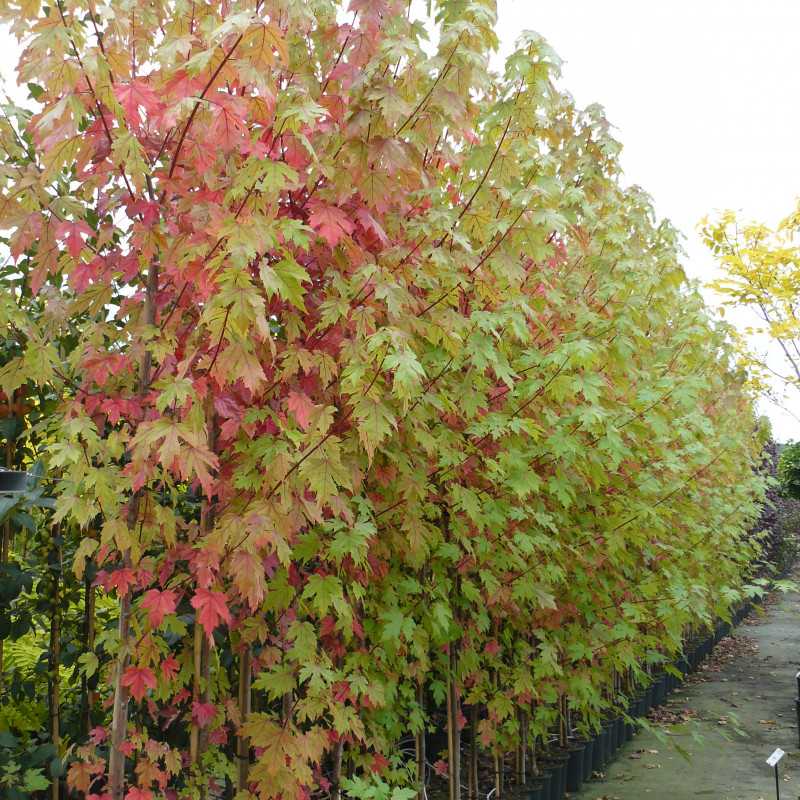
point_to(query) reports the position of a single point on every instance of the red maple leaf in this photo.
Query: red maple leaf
(70, 233)
(203, 713)
(330, 222)
(301, 406)
(135, 95)
(139, 680)
(98, 735)
(212, 608)
(139, 794)
(159, 604)
(169, 667)
(121, 579)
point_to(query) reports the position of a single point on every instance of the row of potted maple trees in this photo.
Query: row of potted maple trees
(369, 399)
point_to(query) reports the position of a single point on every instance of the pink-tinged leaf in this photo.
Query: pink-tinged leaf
(170, 667)
(330, 222)
(139, 680)
(138, 794)
(212, 609)
(301, 406)
(121, 579)
(98, 735)
(492, 647)
(70, 234)
(159, 604)
(248, 577)
(203, 713)
(135, 95)
(369, 223)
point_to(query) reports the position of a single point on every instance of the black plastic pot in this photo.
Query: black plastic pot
(556, 764)
(610, 746)
(577, 752)
(599, 750)
(546, 780)
(630, 728)
(588, 758)
(659, 691)
(648, 700)
(535, 791)
(619, 724)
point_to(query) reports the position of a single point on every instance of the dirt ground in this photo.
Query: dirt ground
(728, 718)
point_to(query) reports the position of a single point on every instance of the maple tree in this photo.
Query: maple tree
(382, 398)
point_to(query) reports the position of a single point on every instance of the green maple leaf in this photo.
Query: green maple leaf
(285, 278)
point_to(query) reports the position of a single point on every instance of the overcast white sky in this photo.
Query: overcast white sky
(703, 93)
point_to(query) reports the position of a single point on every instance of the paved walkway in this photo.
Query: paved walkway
(747, 684)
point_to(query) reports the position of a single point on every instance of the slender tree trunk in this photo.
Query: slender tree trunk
(337, 769)
(202, 649)
(5, 537)
(54, 681)
(522, 770)
(453, 728)
(119, 719)
(420, 745)
(194, 730)
(474, 787)
(498, 763)
(242, 742)
(286, 707)
(87, 695)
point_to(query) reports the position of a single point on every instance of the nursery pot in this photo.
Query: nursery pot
(577, 752)
(610, 746)
(556, 763)
(545, 780)
(588, 757)
(599, 750)
(630, 728)
(648, 699)
(660, 690)
(535, 790)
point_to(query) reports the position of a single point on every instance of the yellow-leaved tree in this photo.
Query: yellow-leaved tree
(761, 267)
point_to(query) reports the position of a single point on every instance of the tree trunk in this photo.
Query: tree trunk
(337, 769)
(5, 538)
(194, 731)
(87, 694)
(242, 742)
(474, 787)
(119, 719)
(522, 750)
(54, 678)
(420, 745)
(453, 729)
